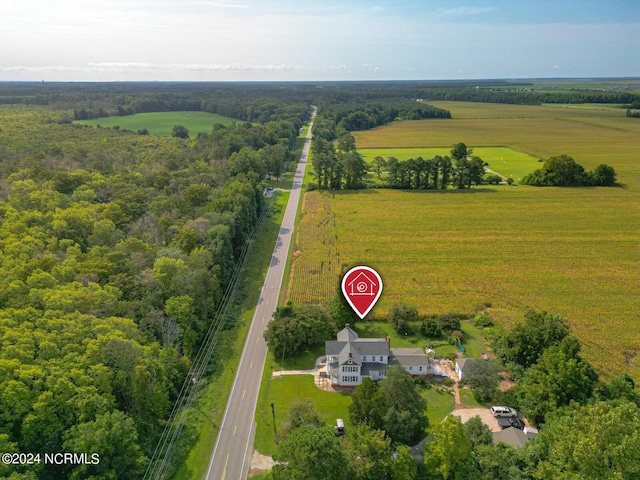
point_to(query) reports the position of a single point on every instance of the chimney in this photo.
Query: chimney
(389, 341)
(346, 326)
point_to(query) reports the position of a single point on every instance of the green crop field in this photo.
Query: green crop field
(570, 251)
(161, 123)
(503, 160)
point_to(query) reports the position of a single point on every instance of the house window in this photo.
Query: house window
(353, 379)
(381, 358)
(410, 368)
(420, 368)
(364, 358)
(344, 379)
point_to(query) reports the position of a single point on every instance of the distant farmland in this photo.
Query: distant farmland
(572, 251)
(161, 123)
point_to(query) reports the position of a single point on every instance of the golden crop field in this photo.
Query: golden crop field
(316, 260)
(570, 251)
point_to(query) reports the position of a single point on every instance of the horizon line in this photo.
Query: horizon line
(495, 79)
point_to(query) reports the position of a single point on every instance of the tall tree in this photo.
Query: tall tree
(301, 412)
(405, 417)
(460, 151)
(274, 158)
(354, 168)
(446, 170)
(379, 164)
(367, 405)
(449, 455)
(312, 454)
(369, 453)
(560, 377)
(476, 171)
(527, 341)
(483, 377)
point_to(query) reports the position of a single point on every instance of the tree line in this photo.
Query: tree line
(341, 166)
(262, 102)
(335, 119)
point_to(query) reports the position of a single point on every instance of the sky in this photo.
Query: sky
(258, 40)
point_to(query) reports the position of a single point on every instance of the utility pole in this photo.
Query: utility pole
(273, 411)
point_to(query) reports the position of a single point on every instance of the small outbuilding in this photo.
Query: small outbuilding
(514, 436)
(462, 364)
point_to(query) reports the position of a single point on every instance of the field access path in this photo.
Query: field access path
(232, 454)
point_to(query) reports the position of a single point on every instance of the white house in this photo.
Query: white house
(462, 364)
(350, 359)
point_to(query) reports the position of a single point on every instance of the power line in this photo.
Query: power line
(161, 458)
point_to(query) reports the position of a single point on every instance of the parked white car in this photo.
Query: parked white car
(503, 412)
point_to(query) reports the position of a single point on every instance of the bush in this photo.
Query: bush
(450, 321)
(493, 179)
(430, 328)
(448, 382)
(401, 315)
(483, 320)
(450, 356)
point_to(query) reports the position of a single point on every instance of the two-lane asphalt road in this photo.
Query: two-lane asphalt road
(232, 453)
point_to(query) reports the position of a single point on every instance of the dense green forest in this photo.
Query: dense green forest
(117, 249)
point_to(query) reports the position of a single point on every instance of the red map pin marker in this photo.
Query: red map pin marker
(362, 286)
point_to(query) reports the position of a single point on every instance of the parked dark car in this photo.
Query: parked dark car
(510, 422)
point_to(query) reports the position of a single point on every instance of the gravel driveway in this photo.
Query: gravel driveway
(485, 414)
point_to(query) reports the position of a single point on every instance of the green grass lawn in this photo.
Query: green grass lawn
(467, 398)
(281, 392)
(503, 160)
(439, 405)
(305, 360)
(161, 123)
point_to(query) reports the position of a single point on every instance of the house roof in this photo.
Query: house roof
(347, 353)
(371, 346)
(512, 436)
(408, 357)
(358, 348)
(463, 363)
(333, 348)
(347, 335)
